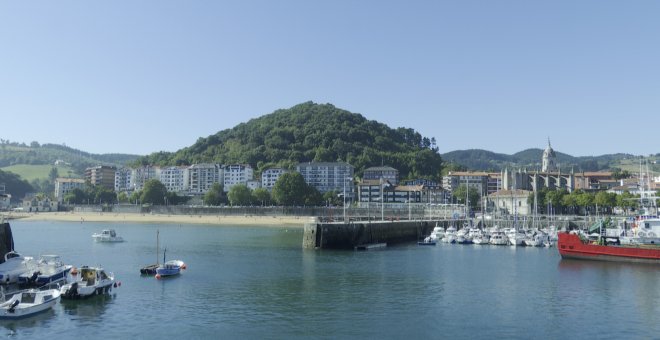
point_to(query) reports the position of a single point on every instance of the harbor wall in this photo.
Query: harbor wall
(337, 235)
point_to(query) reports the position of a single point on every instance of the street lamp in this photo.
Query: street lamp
(346, 179)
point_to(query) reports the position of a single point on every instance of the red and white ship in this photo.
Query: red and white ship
(571, 246)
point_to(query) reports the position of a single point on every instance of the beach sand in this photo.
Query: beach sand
(292, 221)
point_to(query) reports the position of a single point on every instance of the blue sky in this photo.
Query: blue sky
(146, 76)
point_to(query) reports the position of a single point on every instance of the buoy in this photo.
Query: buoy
(115, 285)
(157, 276)
(119, 284)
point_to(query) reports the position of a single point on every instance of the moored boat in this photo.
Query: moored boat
(28, 302)
(571, 246)
(107, 235)
(92, 281)
(49, 269)
(14, 265)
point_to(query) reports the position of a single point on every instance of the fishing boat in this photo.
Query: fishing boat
(169, 268)
(49, 269)
(151, 269)
(572, 246)
(92, 281)
(107, 235)
(29, 302)
(14, 265)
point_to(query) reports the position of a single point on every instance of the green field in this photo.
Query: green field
(633, 165)
(30, 172)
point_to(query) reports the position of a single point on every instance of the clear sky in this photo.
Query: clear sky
(145, 76)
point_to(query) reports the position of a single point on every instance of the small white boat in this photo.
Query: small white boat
(49, 269)
(92, 281)
(499, 239)
(29, 302)
(107, 235)
(169, 268)
(14, 265)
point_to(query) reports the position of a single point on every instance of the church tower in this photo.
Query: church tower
(549, 159)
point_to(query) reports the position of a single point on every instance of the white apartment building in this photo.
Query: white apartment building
(174, 178)
(201, 177)
(237, 174)
(142, 175)
(270, 176)
(64, 186)
(328, 176)
(123, 179)
(253, 184)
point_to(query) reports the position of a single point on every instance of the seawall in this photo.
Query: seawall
(337, 235)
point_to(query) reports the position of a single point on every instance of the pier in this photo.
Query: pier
(354, 234)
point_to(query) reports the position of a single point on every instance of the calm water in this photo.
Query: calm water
(257, 282)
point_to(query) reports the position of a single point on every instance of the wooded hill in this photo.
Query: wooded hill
(12, 153)
(483, 160)
(312, 132)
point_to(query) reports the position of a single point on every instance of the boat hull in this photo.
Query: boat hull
(27, 309)
(570, 246)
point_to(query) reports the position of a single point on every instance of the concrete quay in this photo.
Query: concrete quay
(339, 235)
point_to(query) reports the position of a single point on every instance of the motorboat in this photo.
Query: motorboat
(498, 239)
(14, 265)
(92, 281)
(107, 235)
(428, 241)
(49, 269)
(29, 302)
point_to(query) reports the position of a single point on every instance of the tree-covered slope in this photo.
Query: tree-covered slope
(47, 154)
(312, 132)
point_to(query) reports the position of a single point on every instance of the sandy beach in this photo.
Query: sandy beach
(292, 221)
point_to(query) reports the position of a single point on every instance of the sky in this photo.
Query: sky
(145, 76)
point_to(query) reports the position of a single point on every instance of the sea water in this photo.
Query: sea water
(256, 282)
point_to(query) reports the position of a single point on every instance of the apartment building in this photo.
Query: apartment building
(270, 176)
(64, 186)
(101, 175)
(328, 176)
(201, 177)
(237, 174)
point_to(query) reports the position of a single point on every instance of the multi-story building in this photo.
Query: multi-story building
(237, 174)
(202, 176)
(477, 180)
(326, 177)
(387, 173)
(510, 202)
(174, 178)
(64, 186)
(101, 175)
(142, 175)
(123, 179)
(270, 176)
(253, 184)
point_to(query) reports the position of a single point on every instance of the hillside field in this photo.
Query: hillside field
(31, 172)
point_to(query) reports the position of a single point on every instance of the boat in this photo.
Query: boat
(572, 246)
(169, 268)
(92, 281)
(151, 269)
(29, 302)
(107, 235)
(49, 269)
(14, 265)
(427, 241)
(371, 246)
(498, 239)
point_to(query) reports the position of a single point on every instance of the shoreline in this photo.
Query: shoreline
(80, 217)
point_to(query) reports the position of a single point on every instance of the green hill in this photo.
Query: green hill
(531, 159)
(312, 132)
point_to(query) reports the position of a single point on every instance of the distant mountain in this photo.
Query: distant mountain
(312, 132)
(35, 154)
(482, 160)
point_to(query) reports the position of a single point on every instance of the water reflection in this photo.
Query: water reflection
(87, 309)
(19, 326)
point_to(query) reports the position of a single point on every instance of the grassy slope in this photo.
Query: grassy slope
(30, 172)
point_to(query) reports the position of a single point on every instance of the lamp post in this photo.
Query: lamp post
(345, 179)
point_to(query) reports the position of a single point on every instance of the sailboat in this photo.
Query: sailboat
(151, 269)
(169, 268)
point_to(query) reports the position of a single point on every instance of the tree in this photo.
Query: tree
(154, 192)
(53, 174)
(261, 195)
(75, 196)
(215, 195)
(472, 193)
(240, 194)
(332, 197)
(605, 200)
(122, 197)
(290, 189)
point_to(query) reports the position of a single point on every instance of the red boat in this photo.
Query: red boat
(571, 246)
